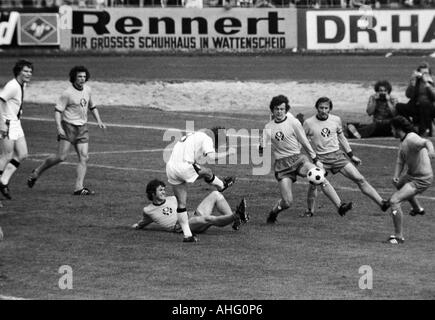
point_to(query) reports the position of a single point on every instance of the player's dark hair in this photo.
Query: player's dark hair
(152, 187)
(20, 64)
(383, 83)
(424, 65)
(278, 100)
(75, 70)
(401, 123)
(216, 131)
(323, 100)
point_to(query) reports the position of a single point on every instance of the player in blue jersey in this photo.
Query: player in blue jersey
(414, 155)
(287, 137)
(325, 132)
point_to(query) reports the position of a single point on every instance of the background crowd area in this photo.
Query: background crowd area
(317, 4)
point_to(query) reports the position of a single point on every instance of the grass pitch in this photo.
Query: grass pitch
(298, 258)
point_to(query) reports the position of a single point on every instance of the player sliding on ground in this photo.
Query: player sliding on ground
(415, 154)
(163, 211)
(183, 168)
(325, 132)
(288, 137)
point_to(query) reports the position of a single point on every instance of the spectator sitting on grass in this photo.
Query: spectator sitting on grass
(382, 108)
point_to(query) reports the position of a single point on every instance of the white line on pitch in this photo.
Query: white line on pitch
(387, 191)
(118, 125)
(101, 152)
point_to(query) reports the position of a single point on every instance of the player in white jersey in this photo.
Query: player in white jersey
(13, 142)
(163, 211)
(184, 166)
(1, 234)
(325, 132)
(71, 116)
(415, 154)
(288, 137)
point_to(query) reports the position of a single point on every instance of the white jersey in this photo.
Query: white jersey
(192, 148)
(164, 215)
(12, 96)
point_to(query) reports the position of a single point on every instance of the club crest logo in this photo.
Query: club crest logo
(279, 136)
(83, 103)
(167, 211)
(325, 132)
(39, 29)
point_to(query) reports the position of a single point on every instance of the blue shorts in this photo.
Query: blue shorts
(289, 167)
(419, 183)
(334, 161)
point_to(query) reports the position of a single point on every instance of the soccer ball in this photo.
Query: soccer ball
(316, 175)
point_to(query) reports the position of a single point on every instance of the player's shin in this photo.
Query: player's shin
(397, 215)
(215, 181)
(311, 197)
(330, 192)
(11, 167)
(370, 192)
(183, 221)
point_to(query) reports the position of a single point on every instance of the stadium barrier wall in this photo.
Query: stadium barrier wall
(218, 30)
(366, 30)
(181, 29)
(36, 28)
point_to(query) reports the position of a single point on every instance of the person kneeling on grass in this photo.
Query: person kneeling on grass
(163, 211)
(415, 154)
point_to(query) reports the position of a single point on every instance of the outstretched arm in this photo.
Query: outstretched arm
(146, 220)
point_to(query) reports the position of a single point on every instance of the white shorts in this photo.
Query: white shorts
(15, 131)
(181, 172)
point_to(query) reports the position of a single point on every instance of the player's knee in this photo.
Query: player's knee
(217, 195)
(286, 203)
(207, 174)
(62, 157)
(395, 202)
(84, 157)
(22, 157)
(360, 182)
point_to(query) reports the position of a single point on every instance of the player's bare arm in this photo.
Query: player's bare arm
(96, 115)
(346, 146)
(302, 138)
(146, 220)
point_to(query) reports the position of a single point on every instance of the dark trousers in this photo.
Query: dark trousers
(421, 115)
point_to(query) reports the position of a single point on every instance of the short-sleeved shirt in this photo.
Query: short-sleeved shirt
(164, 215)
(285, 136)
(12, 96)
(192, 148)
(74, 105)
(323, 134)
(413, 153)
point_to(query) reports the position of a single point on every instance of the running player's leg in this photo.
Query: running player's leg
(204, 217)
(285, 188)
(311, 199)
(62, 153)
(83, 155)
(208, 176)
(180, 192)
(352, 173)
(406, 192)
(7, 152)
(19, 154)
(326, 187)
